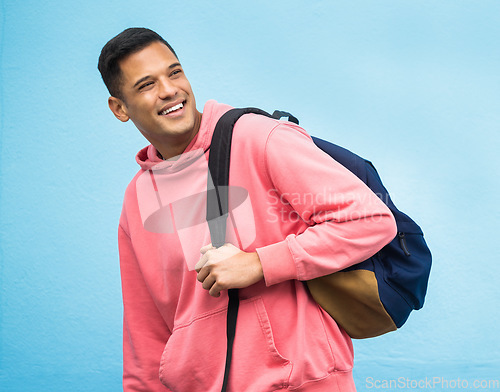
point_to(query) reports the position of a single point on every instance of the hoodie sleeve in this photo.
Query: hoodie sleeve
(145, 334)
(346, 222)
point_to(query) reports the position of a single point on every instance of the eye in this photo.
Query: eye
(176, 72)
(144, 85)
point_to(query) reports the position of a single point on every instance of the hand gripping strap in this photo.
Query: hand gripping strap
(218, 207)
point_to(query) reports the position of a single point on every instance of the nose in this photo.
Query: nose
(166, 89)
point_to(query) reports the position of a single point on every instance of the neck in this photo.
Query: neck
(174, 148)
(171, 151)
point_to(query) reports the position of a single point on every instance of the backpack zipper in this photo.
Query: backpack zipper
(402, 243)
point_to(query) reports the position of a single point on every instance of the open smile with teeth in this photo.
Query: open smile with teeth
(172, 109)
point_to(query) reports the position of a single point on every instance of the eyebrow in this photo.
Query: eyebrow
(149, 76)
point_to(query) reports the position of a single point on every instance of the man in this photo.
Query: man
(295, 215)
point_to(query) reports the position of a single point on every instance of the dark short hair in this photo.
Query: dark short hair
(129, 41)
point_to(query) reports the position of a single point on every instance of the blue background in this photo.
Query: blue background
(412, 85)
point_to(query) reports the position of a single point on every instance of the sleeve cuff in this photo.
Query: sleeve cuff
(277, 262)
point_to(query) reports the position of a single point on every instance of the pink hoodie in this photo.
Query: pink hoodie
(304, 214)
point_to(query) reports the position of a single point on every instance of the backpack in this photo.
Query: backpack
(367, 299)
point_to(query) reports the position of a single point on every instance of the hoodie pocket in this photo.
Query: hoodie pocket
(257, 365)
(194, 358)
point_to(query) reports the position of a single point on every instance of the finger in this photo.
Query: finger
(202, 274)
(206, 248)
(201, 263)
(215, 290)
(208, 282)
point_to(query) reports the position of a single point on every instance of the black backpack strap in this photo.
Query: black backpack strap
(277, 114)
(232, 316)
(218, 208)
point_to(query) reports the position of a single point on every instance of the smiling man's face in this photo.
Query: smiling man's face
(158, 98)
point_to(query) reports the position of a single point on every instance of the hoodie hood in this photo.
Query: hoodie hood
(148, 158)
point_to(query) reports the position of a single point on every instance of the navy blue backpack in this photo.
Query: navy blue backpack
(367, 299)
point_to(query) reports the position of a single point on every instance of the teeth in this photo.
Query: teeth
(173, 108)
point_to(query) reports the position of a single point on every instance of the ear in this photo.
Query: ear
(118, 108)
